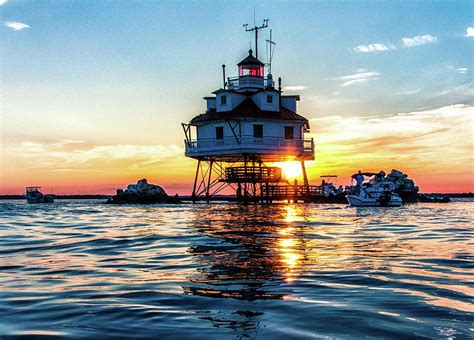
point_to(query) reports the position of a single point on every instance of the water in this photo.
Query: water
(85, 269)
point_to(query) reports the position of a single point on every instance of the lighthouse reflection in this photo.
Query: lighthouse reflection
(247, 254)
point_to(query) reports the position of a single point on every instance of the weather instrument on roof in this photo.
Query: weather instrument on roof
(248, 125)
(256, 29)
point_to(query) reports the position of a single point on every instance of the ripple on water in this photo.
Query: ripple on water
(84, 269)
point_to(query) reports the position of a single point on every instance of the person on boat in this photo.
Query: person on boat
(329, 190)
(359, 180)
(340, 190)
(380, 177)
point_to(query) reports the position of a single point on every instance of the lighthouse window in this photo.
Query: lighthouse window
(289, 132)
(219, 132)
(257, 130)
(223, 100)
(269, 99)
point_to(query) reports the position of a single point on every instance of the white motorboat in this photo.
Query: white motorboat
(380, 194)
(34, 195)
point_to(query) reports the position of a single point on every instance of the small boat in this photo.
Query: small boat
(379, 194)
(34, 195)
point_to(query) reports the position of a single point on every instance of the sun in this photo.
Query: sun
(291, 170)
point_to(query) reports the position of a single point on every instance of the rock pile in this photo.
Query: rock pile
(142, 193)
(404, 186)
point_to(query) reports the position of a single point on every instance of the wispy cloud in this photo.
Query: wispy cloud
(17, 26)
(362, 76)
(378, 47)
(465, 90)
(333, 102)
(3, 2)
(65, 142)
(470, 32)
(408, 92)
(407, 42)
(78, 167)
(437, 142)
(462, 70)
(59, 155)
(294, 88)
(419, 40)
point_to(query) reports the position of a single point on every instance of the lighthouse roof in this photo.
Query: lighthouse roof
(248, 109)
(250, 60)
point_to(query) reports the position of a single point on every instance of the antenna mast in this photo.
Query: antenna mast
(270, 51)
(256, 29)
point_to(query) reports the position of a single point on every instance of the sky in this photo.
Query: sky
(93, 92)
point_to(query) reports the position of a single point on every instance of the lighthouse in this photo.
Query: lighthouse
(249, 124)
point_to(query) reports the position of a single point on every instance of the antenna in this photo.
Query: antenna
(223, 76)
(256, 29)
(254, 20)
(270, 51)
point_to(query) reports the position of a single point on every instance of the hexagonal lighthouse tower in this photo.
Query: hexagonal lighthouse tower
(248, 125)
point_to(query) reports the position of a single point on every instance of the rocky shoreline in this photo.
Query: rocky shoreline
(142, 193)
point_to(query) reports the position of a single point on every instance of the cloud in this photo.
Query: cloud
(17, 26)
(69, 155)
(465, 90)
(379, 47)
(469, 32)
(64, 142)
(3, 2)
(74, 166)
(462, 70)
(437, 142)
(419, 40)
(333, 102)
(407, 42)
(294, 88)
(408, 92)
(362, 76)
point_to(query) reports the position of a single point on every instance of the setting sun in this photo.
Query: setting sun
(291, 170)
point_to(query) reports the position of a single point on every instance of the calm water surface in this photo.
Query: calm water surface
(84, 269)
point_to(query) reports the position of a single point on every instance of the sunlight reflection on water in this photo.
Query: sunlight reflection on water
(81, 268)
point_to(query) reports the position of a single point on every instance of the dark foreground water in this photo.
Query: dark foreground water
(84, 269)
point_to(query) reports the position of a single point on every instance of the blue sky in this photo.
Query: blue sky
(114, 72)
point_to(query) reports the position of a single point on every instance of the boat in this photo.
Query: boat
(34, 195)
(373, 190)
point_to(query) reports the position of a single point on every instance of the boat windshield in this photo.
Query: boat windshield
(32, 189)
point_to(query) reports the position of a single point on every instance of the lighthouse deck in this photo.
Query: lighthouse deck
(296, 193)
(272, 192)
(253, 174)
(300, 148)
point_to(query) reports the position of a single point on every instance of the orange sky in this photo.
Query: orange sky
(433, 147)
(93, 92)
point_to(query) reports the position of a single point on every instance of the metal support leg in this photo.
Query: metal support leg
(209, 181)
(306, 182)
(193, 196)
(239, 192)
(245, 199)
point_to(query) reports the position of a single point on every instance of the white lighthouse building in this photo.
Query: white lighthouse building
(248, 124)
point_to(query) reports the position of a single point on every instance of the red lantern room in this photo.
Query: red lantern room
(251, 66)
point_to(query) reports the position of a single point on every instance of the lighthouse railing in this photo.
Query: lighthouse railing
(234, 83)
(275, 144)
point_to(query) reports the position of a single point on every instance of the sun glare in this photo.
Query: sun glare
(291, 170)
